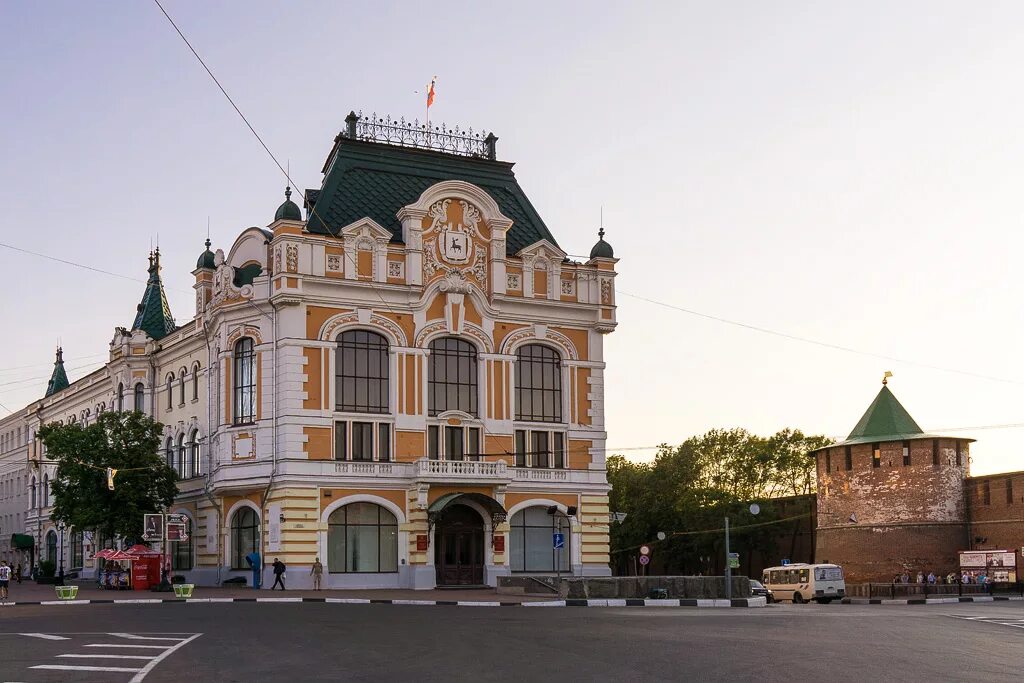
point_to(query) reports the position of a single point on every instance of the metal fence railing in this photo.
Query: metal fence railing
(924, 590)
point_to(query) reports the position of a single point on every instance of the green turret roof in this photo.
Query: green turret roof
(154, 313)
(887, 420)
(602, 249)
(59, 378)
(289, 210)
(206, 260)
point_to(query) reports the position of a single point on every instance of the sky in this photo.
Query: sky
(843, 172)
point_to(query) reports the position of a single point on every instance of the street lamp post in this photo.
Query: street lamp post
(60, 554)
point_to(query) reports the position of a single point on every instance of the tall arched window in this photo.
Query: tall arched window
(183, 453)
(46, 490)
(140, 398)
(530, 546)
(182, 557)
(51, 546)
(361, 372)
(76, 550)
(120, 397)
(32, 492)
(452, 383)
(245, 536)
(181, 389)
(170, 391)
(169, 452)
(538, 384)
(193, 444)
(195, 382)
(362, 537)
(244, 390)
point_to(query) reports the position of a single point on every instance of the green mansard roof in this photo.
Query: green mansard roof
(154, 313)
(59, 378)
(375, 180)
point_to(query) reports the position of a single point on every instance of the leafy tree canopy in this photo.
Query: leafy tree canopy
(691, 486)
(126, 441)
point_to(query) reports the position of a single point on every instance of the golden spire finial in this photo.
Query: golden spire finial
(885, 377)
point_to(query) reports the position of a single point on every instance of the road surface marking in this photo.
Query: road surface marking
(108, 656)
(137, 678)
(45, 636)
(140, 647)
(132, 636)
(67, 667)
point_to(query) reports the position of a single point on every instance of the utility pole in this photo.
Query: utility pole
(728, 569)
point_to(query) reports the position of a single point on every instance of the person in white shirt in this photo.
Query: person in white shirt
(5, 579)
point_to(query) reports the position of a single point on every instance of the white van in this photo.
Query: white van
(801, 582)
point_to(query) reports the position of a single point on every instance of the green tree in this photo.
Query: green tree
(125, 441)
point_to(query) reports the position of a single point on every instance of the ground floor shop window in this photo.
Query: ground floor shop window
(531, 543)
(245, 536)
(362, 537)
(76, 550)
(181, 558)
(51, 545)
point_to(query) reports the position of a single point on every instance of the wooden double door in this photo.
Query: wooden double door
(459, 548)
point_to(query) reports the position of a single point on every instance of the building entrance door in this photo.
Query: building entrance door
(459, 548)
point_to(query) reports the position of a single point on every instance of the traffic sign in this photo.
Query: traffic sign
(645, 550)
(734, 560)
(645, 560)
(558, 541)
(785, 563)
(177, 518)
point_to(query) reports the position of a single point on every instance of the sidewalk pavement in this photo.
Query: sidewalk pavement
(30, 591)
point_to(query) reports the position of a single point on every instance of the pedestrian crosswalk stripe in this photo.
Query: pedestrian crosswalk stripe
(45, 636)
(107, 656)
(69, 667)
(139, 647)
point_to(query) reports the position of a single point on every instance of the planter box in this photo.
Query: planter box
(46, 580)
(183, 590)
(66, 592)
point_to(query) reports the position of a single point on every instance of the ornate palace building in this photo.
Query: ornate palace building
(406, 382)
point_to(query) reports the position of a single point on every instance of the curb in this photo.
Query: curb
(637, 602)
(931, 601)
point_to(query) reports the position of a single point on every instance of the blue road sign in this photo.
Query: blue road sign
(785, 563)
(558, 541)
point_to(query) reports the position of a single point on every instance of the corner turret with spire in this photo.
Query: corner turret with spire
(59, 378)
(153, 314)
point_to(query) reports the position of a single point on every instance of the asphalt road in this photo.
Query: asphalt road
(294, 643)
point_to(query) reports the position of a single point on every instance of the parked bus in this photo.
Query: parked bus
(801, 582)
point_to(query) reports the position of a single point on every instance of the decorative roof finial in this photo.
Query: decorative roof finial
(208, 243)
(287, 192)
(885, 377)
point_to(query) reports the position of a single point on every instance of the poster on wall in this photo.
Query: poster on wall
(999, 566)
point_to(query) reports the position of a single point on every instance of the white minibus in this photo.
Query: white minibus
(801, 582)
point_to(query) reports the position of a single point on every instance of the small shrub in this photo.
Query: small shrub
(47, 568)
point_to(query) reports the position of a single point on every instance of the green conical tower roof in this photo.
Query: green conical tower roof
(154, 313)
(59, 378)
(887, 420)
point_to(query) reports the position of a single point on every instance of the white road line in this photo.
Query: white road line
(69, 667)
(132, 636)
(45, 636)
(139, 647)
(137, 678)
(107, 656)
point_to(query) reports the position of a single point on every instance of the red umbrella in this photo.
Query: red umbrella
(139, 549)
(121, 556)
(103, 554)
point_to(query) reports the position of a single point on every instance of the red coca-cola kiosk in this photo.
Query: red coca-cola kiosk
(145, 567)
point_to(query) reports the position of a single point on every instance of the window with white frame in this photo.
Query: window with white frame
(244, 389)
(362, 537)
(450, 442)
(140, 398)
(540, 448)
(194, 450)
(362, 441)
(538, 384)
(361, 373)
(530, 541)
(452, 377)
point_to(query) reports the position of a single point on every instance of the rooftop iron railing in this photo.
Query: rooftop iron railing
(425, 135)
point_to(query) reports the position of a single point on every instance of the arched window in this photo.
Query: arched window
(361, 373)
(76, 550)
(51, 546)
(362, 537)
(170, 391)
(193, 444)
(181, 389)
(140, 398)
(182, 558)
(245, 382)
(32, 493)
(169, 452)
(120, 397)
(183, 453)
(46, 490)
(538, 384)
(245, 536)
(452, 383)
(530, 546)
(195, 382)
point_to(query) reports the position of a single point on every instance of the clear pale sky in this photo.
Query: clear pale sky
(846, 172)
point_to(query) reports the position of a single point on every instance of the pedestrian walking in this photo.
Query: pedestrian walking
(17, 573)
(278, 573)
(920, 577)
(5, 579)
(317, 570)
(931, 578)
